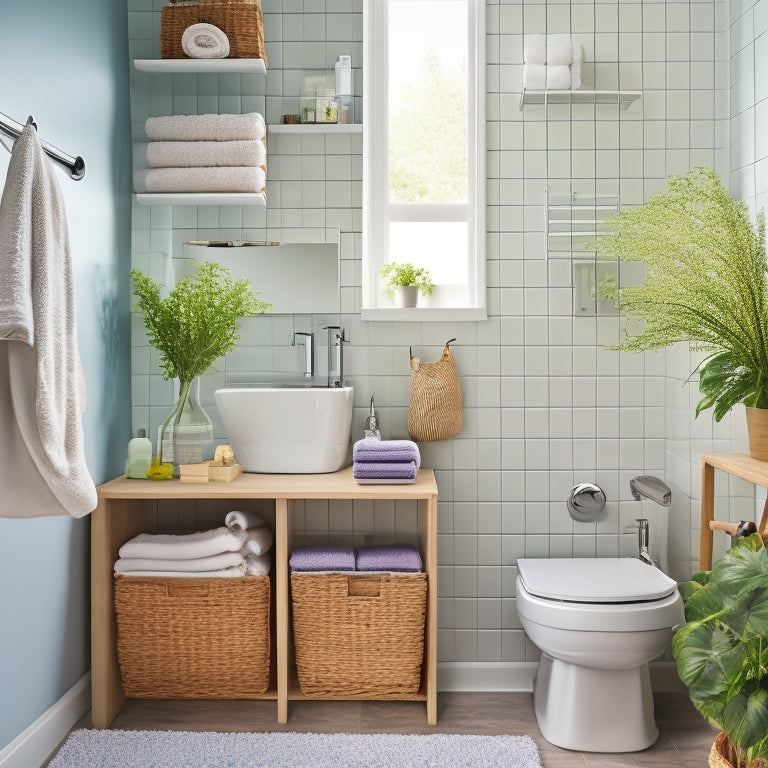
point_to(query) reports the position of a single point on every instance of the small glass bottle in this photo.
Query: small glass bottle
(139, 456)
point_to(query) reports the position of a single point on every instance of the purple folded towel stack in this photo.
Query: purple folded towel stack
(385, 461)
(322, 559)
(394, 558)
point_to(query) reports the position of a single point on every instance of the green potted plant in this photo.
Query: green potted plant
(404, 282)
(705, 284)
(196, 323)
(722, 652)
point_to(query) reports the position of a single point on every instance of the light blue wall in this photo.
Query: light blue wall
(66, 63)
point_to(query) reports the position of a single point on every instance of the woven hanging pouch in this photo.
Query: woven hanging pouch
(435, 411)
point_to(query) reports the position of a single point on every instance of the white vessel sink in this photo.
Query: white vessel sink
(301, 430)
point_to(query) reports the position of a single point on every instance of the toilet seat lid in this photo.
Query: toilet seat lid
(594, 580)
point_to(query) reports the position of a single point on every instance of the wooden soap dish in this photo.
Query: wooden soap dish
(209, 472)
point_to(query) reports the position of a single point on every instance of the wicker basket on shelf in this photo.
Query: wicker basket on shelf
(359, 636)
(193, 638)
(240, 20)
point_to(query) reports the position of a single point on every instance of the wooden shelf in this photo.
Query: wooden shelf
(120, 515)
(202, 198)
(200, 66)
(622, 98)
(315, 128)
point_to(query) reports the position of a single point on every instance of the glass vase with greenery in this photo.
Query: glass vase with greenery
(705, 283)
(195, 324)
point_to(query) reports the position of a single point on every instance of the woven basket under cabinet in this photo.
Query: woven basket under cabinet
(193, 638)
(240, 20)
(359, 636)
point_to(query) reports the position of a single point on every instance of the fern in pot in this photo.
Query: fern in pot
(195, 324)
(404, 282)
(722, 652)
(705, 284)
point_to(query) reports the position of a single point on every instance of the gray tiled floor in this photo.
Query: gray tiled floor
(685, 738)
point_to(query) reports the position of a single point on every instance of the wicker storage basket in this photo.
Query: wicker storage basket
(359, 636)
(240, 20)
(723, 755)
(193, 638)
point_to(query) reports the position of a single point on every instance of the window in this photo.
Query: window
(424, 151)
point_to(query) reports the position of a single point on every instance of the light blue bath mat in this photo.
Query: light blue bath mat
(182, 749)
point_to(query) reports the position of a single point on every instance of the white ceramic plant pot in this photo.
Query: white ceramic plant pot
(406, 295)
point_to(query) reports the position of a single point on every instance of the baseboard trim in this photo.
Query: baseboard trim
(518, 676)
(33, 746)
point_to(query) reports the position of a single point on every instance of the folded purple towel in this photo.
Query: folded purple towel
(378, 470)
(322, 559)
(394, 558)
(369, 449)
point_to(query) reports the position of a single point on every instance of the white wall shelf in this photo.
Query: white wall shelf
(623, 98)
(202, 198)
(174, 66)
(315, 128)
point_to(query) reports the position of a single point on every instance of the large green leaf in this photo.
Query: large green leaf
(745, 716)
(741, 571)
(702, 602)
(748, 616)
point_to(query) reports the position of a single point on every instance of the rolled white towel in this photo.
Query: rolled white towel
(184, 546)
(205, 41)
(232, 179)
(210, 563)
(578, 61)
(535, 77)
(257, 541)
(234, 571)
(535, 49)
(559, 50)
(243, 521)
(206, 127)
(258, 565)
(187, 154)
(558, 78)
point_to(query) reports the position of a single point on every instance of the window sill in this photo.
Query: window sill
(424, 314)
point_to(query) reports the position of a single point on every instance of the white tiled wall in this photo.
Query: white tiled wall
(546, 405)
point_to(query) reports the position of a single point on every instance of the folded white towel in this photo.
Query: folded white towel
(189, 154)
(242, 521)
(233, 179)
(210, 563)
(559, 50)
(235, 570)
(257, 541)
(576, 66)
(535, 77)
(205, 41)
(535, 49)
(183, 546)
(257, 565)
(558, 78)
(206, 127)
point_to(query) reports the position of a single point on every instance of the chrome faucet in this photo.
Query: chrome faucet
(643, 553)
(336, 341)
(650, 487)
(309, 349)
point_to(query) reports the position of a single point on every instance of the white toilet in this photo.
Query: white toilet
(597, 622)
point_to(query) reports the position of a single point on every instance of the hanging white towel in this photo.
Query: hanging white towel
(205, 41)
(42, 390)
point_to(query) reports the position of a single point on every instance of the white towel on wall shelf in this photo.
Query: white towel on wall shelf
(206, 127)
(205, 41)
(535, 49)
(191, 565)
(535, 77)
(232, 179)
(559, 50)
(188, 154)
(42, 389)
(558, 78)
(576, 66)
(237, 520)
(182, 546)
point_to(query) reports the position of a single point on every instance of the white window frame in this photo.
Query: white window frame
(378, 211)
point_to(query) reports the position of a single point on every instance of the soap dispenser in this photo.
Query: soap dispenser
(139, 456)
(371, 428)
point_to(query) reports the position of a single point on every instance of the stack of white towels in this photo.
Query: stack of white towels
(552, 63)
(205, 153)
(239, 548)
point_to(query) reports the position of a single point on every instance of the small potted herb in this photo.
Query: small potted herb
(404, 282)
